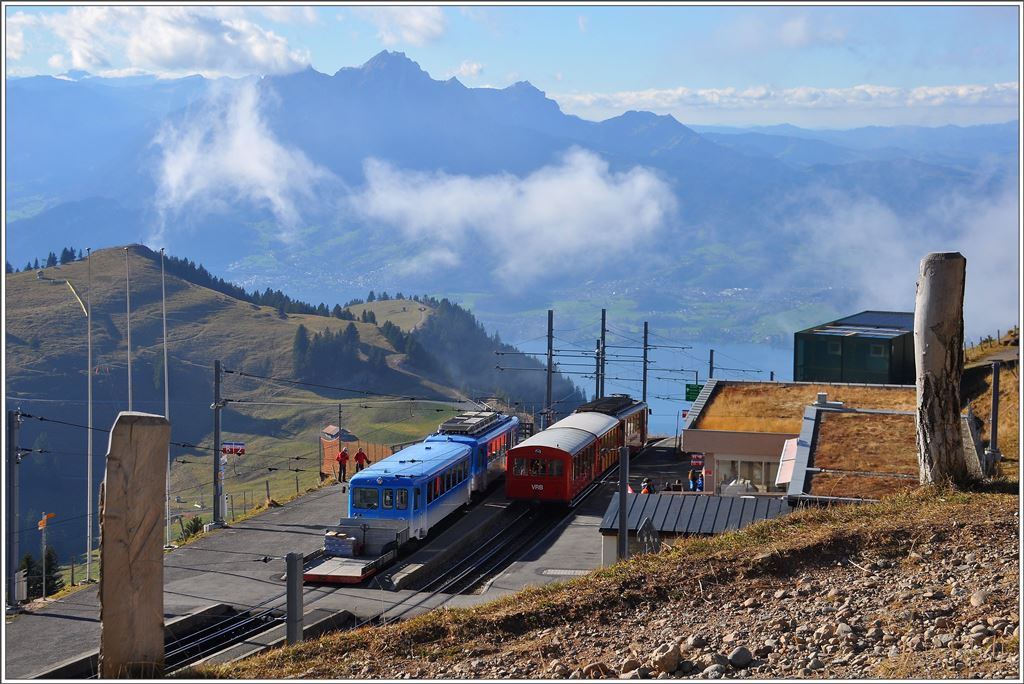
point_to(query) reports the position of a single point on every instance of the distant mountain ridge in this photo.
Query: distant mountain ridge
(97, 171)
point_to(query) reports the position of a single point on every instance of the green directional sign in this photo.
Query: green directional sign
(692, 391)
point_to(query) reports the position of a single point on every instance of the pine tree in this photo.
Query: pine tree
(10, 269)
(35, 266)
(33, 575)
(54, 582)
(67, 256)
(336, 311)
(51, 260)
(370, 297)
(80, 255)
(28, 266)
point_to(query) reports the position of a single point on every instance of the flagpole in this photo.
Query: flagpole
(167, 405)
(88, 467)
(128, 300)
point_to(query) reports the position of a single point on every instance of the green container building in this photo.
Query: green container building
(871, 347)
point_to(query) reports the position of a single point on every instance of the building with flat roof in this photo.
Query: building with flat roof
(742, 427)
(874, 347)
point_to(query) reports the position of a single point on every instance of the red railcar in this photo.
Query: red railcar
(557, 464)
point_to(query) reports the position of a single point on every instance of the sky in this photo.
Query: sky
(834, 66)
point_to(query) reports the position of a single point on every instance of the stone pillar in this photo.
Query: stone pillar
(131, 548)
(939, 351)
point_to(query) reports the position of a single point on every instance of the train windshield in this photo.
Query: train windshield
(364, 497)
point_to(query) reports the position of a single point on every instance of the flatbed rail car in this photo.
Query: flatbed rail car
(559, 463)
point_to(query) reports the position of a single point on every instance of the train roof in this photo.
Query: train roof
(481, 430)
(611, 406)
(572, 433)
(470, 423)
(413, 461)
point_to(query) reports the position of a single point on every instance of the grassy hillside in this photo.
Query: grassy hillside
(46, 376)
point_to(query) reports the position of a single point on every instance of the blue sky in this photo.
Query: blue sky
(837, 66)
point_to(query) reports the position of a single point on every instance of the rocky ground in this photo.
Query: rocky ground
(924, 586)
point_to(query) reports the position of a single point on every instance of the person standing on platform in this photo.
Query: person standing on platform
(361, 460)
(693, 479)
(342, 459)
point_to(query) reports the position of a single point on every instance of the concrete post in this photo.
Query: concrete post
(711, 363)
(938, 346)
(294, 617)
(597, 368)
(131, 548)
(623, 517)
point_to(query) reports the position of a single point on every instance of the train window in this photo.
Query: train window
(519, 466)
(389, 498)
(538, 466)
(401, 499)
(416, 498)
(364, 497)
(556, 469)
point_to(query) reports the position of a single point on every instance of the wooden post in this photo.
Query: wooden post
(268, 491)
(231, 500)
(131, 548)
(938, 346)
(296, 484)
(181, 524)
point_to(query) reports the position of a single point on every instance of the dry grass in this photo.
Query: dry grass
(872, 442)
(858, 486)
(979, 352)
(808, 538)
(405, 313)
(779, 407)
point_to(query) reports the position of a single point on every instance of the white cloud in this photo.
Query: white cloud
(207, 40)
(14, 34)
(468, 69)
(581, 21)
(760, 31)
(804, 97)
(224, 151)
(412, 25)
(570, 217)
(290, 14)
(864, 245)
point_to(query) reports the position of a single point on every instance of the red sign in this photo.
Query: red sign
(685, 411)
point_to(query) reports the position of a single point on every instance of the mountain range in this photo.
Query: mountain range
(380, 176)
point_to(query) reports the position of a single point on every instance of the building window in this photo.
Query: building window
(878, 351)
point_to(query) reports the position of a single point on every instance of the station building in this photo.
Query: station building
(741, 429)
(874, 347)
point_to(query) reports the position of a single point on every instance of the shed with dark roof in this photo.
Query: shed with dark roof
(873, 347)
(667, 516)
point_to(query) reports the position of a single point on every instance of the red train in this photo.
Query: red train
(556, 464)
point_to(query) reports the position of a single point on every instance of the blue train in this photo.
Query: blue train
(425, 482)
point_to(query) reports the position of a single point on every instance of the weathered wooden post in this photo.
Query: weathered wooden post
(131, 548)
(939, 351)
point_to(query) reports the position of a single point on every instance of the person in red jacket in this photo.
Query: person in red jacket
(342, 459)
(361, 460)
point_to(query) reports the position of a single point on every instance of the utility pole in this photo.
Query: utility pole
(42, 529)
(645, 361)
(128, 304)
(597, 368)
(604, 313)
(551, 358)
(167, 406)
(623, 518)
(711, 364)
(218, 470)
(88, 449)
(771, 376)
(13, 461)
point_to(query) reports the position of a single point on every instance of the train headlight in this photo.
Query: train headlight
(380, 480)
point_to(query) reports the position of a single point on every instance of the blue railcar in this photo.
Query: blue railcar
(420, 485)
(489, 434)
(425, 482)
